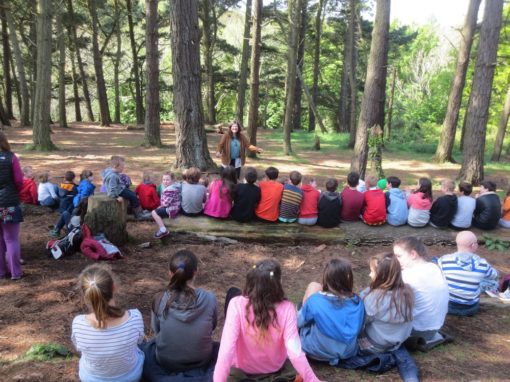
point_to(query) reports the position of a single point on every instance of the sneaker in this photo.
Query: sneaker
(54, 233)
(22, 262)
(16, 278)
(161, 235)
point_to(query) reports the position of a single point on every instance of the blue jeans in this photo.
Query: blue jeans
(50, 202)
(63, 220)
(131, 197)
(462, 310)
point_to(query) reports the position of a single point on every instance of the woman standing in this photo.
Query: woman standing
(232, 148)
(11, 181)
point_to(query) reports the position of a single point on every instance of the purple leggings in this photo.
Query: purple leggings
(10, 250)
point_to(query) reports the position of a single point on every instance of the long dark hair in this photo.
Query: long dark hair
(4, 143)
(337, 278)
(183, 266)
(228, 181)
(425, 187)
(230, 129)
(388, 278)
(264, 291)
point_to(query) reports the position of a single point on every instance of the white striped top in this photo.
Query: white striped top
(109, 352)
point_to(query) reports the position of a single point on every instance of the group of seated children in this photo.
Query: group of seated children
(263, 335)
(299, 200)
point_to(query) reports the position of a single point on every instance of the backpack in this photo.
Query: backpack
(98, 247)
(67, 245)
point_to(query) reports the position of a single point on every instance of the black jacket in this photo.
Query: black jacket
(330, 204)
(9, 195)
(487, 212)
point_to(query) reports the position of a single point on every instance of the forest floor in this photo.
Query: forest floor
(40, 307)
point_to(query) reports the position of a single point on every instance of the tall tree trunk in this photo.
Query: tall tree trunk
(343, 117)
(503, 123)
(208, 22)
(6, 62)
(41, 128)
(478, 108)
(447, 139)
(390, 102)
(294, 17)
(81, 68)
(20, 66)
(152, 121)
(253, 115)
(300, 63)
(354, 32)
(62, 119)
(3, 114)
(316, 63)
(76, 94)
(16, 83)
(372, 105)
(116, 64)
(191, 141)
(243, 72)
(33, 54)
(136, 70)
(104, 111)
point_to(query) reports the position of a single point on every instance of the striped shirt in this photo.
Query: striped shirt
(464, 271)
(291, 200)
(110, 352)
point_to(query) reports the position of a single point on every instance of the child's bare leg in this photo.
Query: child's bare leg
(312, 288)
(158, 219)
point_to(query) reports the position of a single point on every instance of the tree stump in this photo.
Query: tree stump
(106, 215)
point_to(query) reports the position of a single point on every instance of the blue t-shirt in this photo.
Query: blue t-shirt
(235, 148)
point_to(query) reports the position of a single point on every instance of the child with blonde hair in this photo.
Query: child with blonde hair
(28, 192)
(170, 204)
(147, 193)
(47, 191)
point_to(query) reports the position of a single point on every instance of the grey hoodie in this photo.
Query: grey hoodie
(112, 183)
(184, 336)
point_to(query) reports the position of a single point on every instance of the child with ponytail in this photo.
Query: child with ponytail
(108, 337)
(260, 332)
(183, 318)
(388, 307)
(221, 194)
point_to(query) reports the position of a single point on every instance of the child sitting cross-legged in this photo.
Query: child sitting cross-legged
(330, 205)
(444, 208)
(28, 192)
(170, 204)
(193, 194)
(352, 199)
(332, 315)
(146, 192)
(420, 202)
(291, 199)
(246, 197)
(465, 207)
(85, 188)
(221, 192)
(183, 318)
(396, 202)
(308, 210)
(260, 332)
(47, 191)
(374, 204)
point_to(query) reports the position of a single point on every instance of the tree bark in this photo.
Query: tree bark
(136, 70)
(300, 64)
(478, 109)
(41, 128)
(353, 62)
(116, 64)
(372, 105)
(32, 48)
(104, 111)
(107, 215)
(243, 72)
(81, 68)
(294, 17)
(503, 123)
(447, 140)
(390, 102)
(152, 119)
(20, 66)
(76, 94)
(62, 119)
(209, 41)
(191, 141)
(6, 62)
(316, 63)
(253, 116)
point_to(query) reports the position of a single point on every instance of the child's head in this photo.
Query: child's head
(331, 185)
(425, 186)
(353, 179)
(28, 172)
(44, 177)
(86, 174)
(487, 186)
(69, 176)
(382, 184)
(409, 250)
(193, 175)
(148, 177)
(465, 188)
(371, 181)
(448, 186)
(118, 163)
(250, 175)
(264, 290)
(97, 285)
(337, 278)
(167, 179)
(228, 174)
(204, 180)
(272, 173)
(393, 181)
(295, 177)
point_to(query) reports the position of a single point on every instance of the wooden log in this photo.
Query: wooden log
(106, 215)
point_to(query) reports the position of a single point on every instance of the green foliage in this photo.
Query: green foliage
(46, 352)
(496, 244)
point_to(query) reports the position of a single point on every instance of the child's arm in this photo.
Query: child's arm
(51, 190)
(33, 193)
(231, 330)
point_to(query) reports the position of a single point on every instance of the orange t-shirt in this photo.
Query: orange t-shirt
(506, 209)
(270, 197)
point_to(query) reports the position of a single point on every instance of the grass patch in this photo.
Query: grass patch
(46, 352)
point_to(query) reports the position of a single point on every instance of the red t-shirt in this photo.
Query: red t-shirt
(149, 199)
(310, 202)
(270, 197)
(352, 202)
(375, 207)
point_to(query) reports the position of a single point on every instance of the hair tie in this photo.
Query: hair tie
(271, 274)
(92, 283)
(181, 266)
(254, 267)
